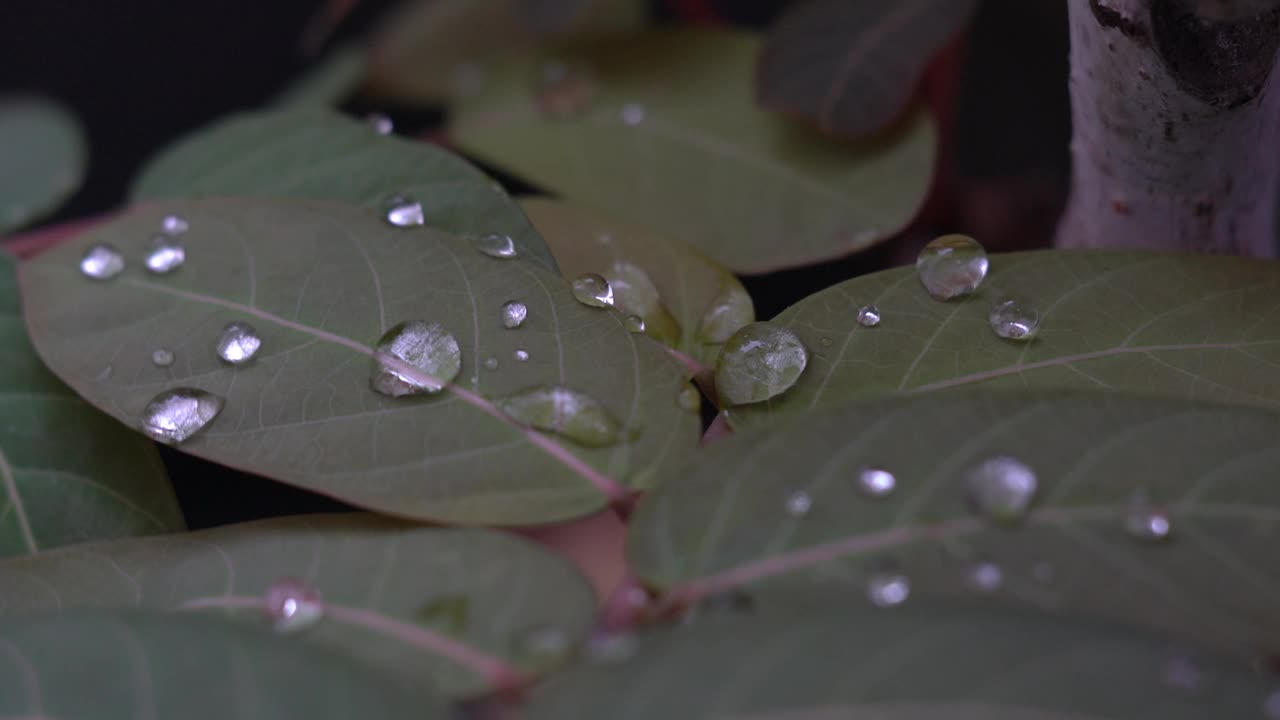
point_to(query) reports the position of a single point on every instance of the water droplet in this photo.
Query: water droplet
(611, 648)
(165, 255)
(632, 114)
(101, 262)
(496, 245)
(564, 90)
(162, 357)
(174, 225)
(760, 361)
(569, 413)
(986, 576)
(404, 211)
(380, 123)
(1181, 672)
(1002, 489)
(173, 416)
(545, 644)
(413, 358)
(593, 290)
(521, 355)
(1271, 706)
(491, 363)
(1146, 523)
(238, 343)
(689, 398)
(635, 323)
(888, 588)
(875, 482)
(869, 316)
(728, 313)
(292, 606)
(1014, 319)
(799, 503)
(952, 266)
(514, 314)
(635, 293)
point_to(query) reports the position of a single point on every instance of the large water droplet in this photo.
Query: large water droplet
(165, 255)
(728, 313)
(292, 606)
(875, 482)
(380, 123)
(952, 266)
(634, 323)
(568, 413)
(404, 211)
(1014, 319)
(611, 648)
(174, 225)
(543, 644)
(593, 290)
(888, 588)
(514, 314)
(162, 357)
(632, 114)
(101, 262)
(238, 343)
(799, 503)
(689, 398)
(760, 361)
(173, 416)
(414, 358)
(986, 576)
(869, 316)
(496, 245)
(1002, 488)
(521, 355)
(1146, 523)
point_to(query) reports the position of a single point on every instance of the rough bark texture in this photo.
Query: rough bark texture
(1176, 115)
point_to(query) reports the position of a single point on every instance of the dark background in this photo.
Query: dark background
(141, 73)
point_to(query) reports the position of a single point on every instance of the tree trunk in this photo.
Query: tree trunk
(1176, 116)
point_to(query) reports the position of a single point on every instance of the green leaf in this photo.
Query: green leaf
(898, 665)
(1180, 325)
(325, 156)
(382, 582)
(321, 283)
(44, 153)
(693, 147)
(128, 665)
(1099, 459)
(687, 301)
(67, 473)
(329, 82)
(853, 67)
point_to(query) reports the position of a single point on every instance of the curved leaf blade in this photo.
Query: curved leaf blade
(68, 473)
(700, 146)
(853, 68)
(378, 577)
(122, 665)
(311, 153)
(44, 153)
(1207, 467)
(321, 283)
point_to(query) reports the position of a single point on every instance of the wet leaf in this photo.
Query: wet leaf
(321, 283)
(44, 153)
(895, 665)
(68, 473)
(853, 67)
(1098, 458)
(325, 156)
(1180, 325)
(329, 82)
(671, 113)
(686, 300)
(378, 577)
(126, 665)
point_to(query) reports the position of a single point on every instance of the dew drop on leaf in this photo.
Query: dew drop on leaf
(496, 245)
(1002, 488)
(514, 314)
(521, 355)
(380, 123)
(175, 415)
(632, 114)
(869, 316)
(1014, 319)
(162, 357)
(952, 266)
(101, 262)
(413, 358)
(760, 361)
(592, 290)
(571, 414)
(292, 606)
(635, 323)
(165, 255)
(491, 363)
(986, 576)
(402, 211)
(238, 343)
(1146, 523)
(689, 398)
(174, 225)
(799, 503)
(888, 588)
(875, 482)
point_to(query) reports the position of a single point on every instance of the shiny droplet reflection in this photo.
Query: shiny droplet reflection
(173, 416)
(875, 482)
(952, 266)
(1002, 488)
(761, 361)
(571, 414)
(402, 211)
(413, 358)
(799, 503)
(888, 588)
(238, 343)
(165, 255)
(986, 576)
(292, 606)
(1014, 319)
(101, 262)
(162, 357)
(174, 225)
(592, 290)
(496, 245)
(869, 316)
(634, 323)
(1146, 523)
(380, 123)
(514, 314)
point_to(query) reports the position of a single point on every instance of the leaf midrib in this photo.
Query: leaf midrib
(15, 501)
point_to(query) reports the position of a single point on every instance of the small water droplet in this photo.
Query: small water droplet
(689, 398)
(611, 648)
(174, 225)
(632, 114)
(869, 316)
(491, 363)
(1181, 672)
(165, 255)
(413, 358)
(380, 123)
(173, 416)
(731, 310)
(101, 262)
(1014, 319)
(1146, 523)
(799, 503)
(888, 588)
(592, 290)
(496, 245)
(760, 361)
(986, 576)
(952, 266)
(1002, 488)
(292, 606)
(162, 357)
(568, 413)
(635, 323)
(521, 355)
(544, 644)
(875, 482)
(402, 211)
(1271, 706)
(238, 343)
(514, 314)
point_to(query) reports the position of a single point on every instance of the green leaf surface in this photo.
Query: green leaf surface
(332, 80)
(325, 156)
(686, 300)
(129, 665)
(67, 472)
(853, 67)
(691, 148)
(897, 665)
(44, 151)
(380, 580)
(321, 282)
(1098, 459)
(1180, 325)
